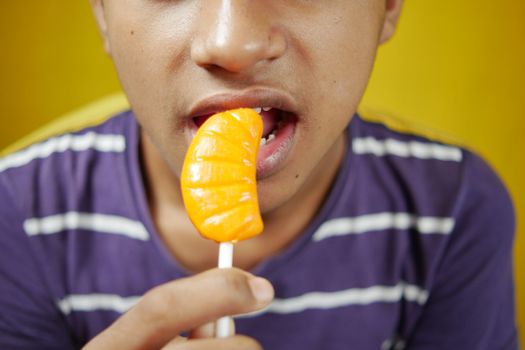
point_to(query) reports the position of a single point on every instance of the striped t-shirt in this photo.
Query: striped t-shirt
(410, 250)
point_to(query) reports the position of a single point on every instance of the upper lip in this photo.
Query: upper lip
(259, 97)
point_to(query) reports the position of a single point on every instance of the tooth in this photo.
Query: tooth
(263, 142)
(258, 109)
(266, 109)
(271, 137)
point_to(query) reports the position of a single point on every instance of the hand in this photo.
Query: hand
(188, 304)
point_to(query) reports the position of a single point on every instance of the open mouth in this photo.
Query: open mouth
(274, 120)
(277, 137)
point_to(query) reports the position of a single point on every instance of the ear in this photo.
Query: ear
(393, 9)
(100, 17)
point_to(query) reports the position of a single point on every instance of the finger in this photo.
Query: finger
(233, 343)
(167, 310)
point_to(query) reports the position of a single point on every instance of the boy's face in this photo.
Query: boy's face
(308, 59)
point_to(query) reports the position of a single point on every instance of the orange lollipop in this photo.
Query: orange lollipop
(218, 177)
(219, 184)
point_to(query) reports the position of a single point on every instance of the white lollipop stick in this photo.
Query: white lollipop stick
(223, 325)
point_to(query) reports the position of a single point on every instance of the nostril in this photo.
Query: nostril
(277, 44)
(199, 54)
(236, 58)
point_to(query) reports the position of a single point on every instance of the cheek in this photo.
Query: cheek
(144, 73)
(347, 58)
(344, 65)
(144, 51)
(345, 45)
(148, 42)
(137, 59)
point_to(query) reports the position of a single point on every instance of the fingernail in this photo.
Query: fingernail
(262, 290)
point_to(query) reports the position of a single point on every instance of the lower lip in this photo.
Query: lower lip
(271, 155)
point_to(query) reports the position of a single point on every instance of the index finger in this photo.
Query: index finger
(167, 310)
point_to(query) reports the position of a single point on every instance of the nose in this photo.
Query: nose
(236, 34)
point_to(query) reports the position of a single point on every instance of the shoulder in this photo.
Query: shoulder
(90, 115)
(397, 139)
(429, 165)
(54, 161)
(439, 175)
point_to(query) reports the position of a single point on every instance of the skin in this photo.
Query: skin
(171, 54)
(188, 304)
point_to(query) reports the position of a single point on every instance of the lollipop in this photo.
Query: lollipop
(219, 185)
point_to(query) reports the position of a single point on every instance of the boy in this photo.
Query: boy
(374, 239)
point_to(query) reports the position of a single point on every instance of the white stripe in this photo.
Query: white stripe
(87, 221)
(90, 140)
(348, 297)
(383, 221)
(314, 300)
(94, 302)
(370, 145)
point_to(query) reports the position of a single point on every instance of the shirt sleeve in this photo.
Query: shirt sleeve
(471, 301)
(29, 317)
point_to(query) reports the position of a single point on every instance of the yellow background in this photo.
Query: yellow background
(455, 66)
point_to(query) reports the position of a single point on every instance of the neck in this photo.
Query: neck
(282, 226)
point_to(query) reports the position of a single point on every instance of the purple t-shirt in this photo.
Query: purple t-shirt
(411, 249)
